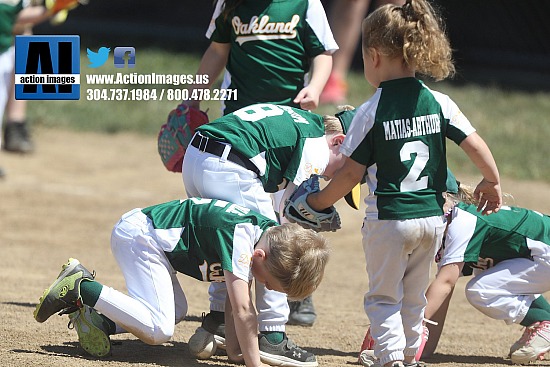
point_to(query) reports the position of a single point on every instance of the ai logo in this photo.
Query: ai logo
(47, 67)
(120, 57)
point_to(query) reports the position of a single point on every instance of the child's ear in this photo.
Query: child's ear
(375, 57)
(338, 139)
(259, 253)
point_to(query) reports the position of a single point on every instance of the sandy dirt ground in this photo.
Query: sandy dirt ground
(62, 202)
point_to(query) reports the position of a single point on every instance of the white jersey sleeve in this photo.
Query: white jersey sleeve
(452, 112)
(217, 11)
(459, 234)
(314, 159)
(244, 239)
(317, 20)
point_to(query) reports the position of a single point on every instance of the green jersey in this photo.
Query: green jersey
(9, 9)
(203, 237)
(399, 135)
(272, 44)
(481, 241)
(283, 142)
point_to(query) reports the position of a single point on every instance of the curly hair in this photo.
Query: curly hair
(414, 32)
(466, 195)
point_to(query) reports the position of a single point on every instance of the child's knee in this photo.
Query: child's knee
(181, 310)
(474, 295)
(158, 336)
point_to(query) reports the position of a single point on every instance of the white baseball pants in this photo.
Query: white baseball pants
(506, 290)
(155, 300)
(208, 176)
(399, 255)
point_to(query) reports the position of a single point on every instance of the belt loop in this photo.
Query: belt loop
(202, 147)
(225, 153)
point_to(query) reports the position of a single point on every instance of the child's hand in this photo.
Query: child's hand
(308, 98)
(489, 195)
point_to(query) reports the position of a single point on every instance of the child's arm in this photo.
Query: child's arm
(244, 323)
(231, 342)
(439, 295)
(212, 63)
(343, 181)
(308, 97)
(488, 191)
(33, 15)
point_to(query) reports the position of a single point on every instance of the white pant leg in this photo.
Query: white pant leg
(209, 176)
(272, 307)
(506, 291)
(417, 280)
(180, 301)
(398, 256)
(7, 63)
(149, 309)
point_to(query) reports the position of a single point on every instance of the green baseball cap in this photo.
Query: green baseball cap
(345, 118)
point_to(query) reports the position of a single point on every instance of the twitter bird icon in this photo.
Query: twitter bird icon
(98, 58)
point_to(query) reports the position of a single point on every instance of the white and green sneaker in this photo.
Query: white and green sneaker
(533, 345)
(64, 294)
(92, 330)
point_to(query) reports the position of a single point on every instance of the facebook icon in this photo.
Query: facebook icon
(120, 57)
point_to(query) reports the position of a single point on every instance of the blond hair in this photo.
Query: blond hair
(333, 125)
(466, 195)
(413, 31)
(298, 257)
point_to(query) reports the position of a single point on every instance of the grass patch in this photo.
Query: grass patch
(513, 123)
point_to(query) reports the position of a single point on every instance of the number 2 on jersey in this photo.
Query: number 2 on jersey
(413, 181)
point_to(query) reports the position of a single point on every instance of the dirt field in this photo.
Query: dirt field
(62, 202)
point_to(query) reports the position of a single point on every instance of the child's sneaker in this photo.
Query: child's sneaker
(64, 294)
(366, 354)
(286, 354)
(335, 91)
(425, 336)
(302, 312)
(367, 358)
(17, 138)
(534, 345)
(92, 330)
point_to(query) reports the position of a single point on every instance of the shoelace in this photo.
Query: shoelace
(71, 309)
(526, 336)
(70, 325)
(534, 329)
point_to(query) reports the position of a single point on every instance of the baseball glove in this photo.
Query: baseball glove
(176, 134)
(55, 6)
(298, 211)
(59, 9)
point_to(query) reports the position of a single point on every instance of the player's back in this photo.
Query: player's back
(403, 146)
